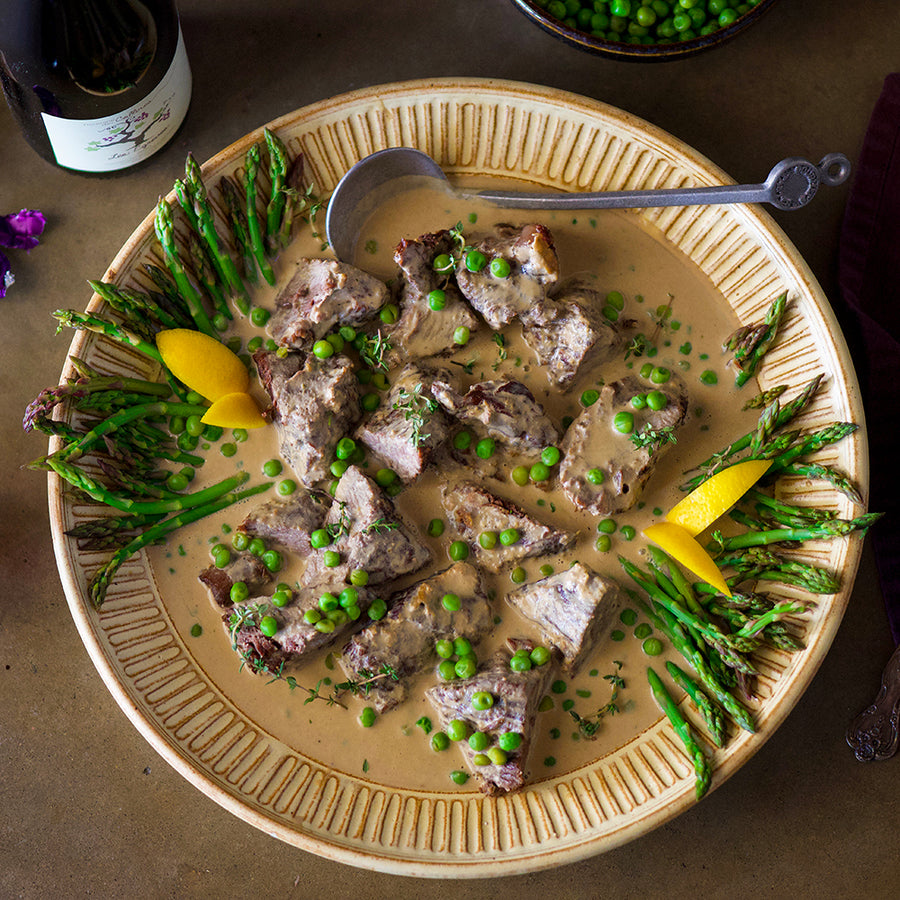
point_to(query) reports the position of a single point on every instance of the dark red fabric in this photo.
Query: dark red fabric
(869, 280)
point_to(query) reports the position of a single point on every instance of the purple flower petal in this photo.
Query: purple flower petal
(20, 230)
(6, 275)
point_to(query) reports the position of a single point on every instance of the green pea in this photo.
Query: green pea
(639, 401)
(459, 777)
(444, 648)
(439, 741)
(461, 335)
(437, 299)
(603, 543)
(259, 316)
(660, 375)
(478, 741)
(385, 477)
(485, 448)
(370, 402)
(345, 447)
(228, 450)
(509, 741)
(349, 596)
(194, 426)
(221, 556)
(462, 440)
(617, 635)
(443, 262)
(239, 592)
(457, 730)
(497, 756)
(616, 300)
(286, 487)
(331, 558)
(657, 400)
(367, 717)
(539, 473)
(436, 527)
(272, 468)
(389, 313)
(451, 602)
(482, 700)
(546, 570)
(465, 667)
(462, 646)
(652, 646)
(447, 670)
(500, 268)
(540, 656)
(326, 626)
(359, 577)
(458, 551)
(488, 539)
(550, 455)
(338, 467)
(558, 687)
(589, 397)
(475, 260)
(240, 540)
(643, 631)
(628, 532)
(196, 629)
(257, 546)
(273, 560)
(518, 575)
(281, 598)
(323, 349)
(176, 424)
(338, 616)
(481, 759)
(623, 422)
(268, 625)
(520, 663)
(646, 370)
(596, 476)
(377, 609)
(520, 475)
(509, 536)
(320, 538)
(177, 482)
(709, 377)
(311, 616)
(212, 432)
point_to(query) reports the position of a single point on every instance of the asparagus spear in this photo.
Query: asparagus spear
(816, 531)
(97, 534)
(85, 321)
(710, 711)
(751, 342)
(702, 770)
(240, 233)
(275, 211)
(165, 232)
(104, 575)
(254, 229)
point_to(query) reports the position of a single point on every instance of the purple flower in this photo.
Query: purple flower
(20, 230)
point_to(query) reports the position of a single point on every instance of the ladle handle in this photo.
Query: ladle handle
(792, 183)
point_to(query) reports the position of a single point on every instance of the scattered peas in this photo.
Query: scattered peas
(465, 667)
(240, 540)
(652, 646)
(616, 300)
(439, 741)
(709, 377)
(618, 635)
(485, 448)
(239, 592)
(228, 449)
(646, 370)
(481, 759)
(482, 700)
(590, 397)
(520, 663)
(443, 262)
(377, 609)
(389, 313)
(546, 570)
(603, 543)
(259, 316)
(478, 740)
(607, 526)
(370, 401)
(462, 440)
(558, 687)
(331, 558)
(639, 401)
(443, 648)
(286, 487)
(518, 575)
(437, 299)
(475, 261)
(458, 777)
(509, 536)
(447, 670)
(509, 741)
(657, 400)
(462, 646)
(268, 625)
(345, 447)
(461, 335)
(281, 598)
(272, 468)
(539, 472)
(488, 539)
(660, 375)
(628, 532)
(628, 617)
(500, 268)
(623, 422)
(257, 546)
(497, 756)
(338, 467)
(540, 656)
(457, 730)
(436, 527)
(196, 629)
(451, 602)
(273, 560)
(367, 717)
(643, 631)
(323, 349)
(550, 455)
(596, 476)
(520, 475)
(458, 550)
(359, 577)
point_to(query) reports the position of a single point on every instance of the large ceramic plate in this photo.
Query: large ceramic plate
(549, 139)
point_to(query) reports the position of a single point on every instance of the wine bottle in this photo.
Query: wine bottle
(95, 85)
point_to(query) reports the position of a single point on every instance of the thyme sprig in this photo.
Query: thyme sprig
(589, 726)
(652, 439)
(336, 530)
(381, 524)
(417, 409)
(374, 350)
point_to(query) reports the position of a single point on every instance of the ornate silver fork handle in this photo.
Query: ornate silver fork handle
(875, 733)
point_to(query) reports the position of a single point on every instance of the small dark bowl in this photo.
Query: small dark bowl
(641, 52)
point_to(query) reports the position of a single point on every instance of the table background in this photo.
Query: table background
(87, 808)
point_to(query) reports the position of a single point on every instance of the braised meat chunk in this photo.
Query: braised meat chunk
(624, 461)
(367, 534)
(315, 402)
(408, 426)
(451, 604)
(423, 331)
(505, 410)
(507, 722)
(472, 511)
(288, 521)
(322, 294)
(313, 618)
(243, 567)
(570, 334)
(533, 267)
(572, 609)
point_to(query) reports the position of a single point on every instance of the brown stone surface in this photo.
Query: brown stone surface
(87, 808)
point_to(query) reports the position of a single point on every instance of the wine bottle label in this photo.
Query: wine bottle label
(130, 136)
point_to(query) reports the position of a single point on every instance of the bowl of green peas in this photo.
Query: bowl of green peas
(644, 30)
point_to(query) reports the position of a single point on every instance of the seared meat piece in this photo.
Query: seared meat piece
(369, 536)
(516, 697)
(404, 639)
(406, 442)
(591, 442)
(315, 402)
(572, 609)
(243, 567)
(471, 510)
(422, 331)
(321, 294)
(288, 521)
(505, 410)
(534, 267)
(569, 332)
(296, 637)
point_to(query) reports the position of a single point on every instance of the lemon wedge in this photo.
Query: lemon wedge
(703, 505)
(202, 363)
(684, 548)
(235, 410)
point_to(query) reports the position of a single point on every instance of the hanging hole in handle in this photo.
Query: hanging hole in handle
(834, 169)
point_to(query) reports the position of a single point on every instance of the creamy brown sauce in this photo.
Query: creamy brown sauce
(625, 256)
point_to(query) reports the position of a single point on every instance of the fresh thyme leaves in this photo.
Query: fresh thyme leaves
(652, 439)
(637, 347)
(500, 341)
(417, 409)
(244, 617)
(381, 524)
(589, 726)
(361, 687)
(338, 529)
(466, 367)
(374, 350)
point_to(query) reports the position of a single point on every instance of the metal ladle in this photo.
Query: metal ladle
(792, 183)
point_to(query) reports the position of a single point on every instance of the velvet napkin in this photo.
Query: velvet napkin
(869, 281)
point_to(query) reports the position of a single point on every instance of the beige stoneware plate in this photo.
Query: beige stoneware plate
(545, 138)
